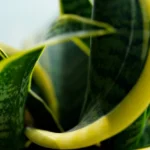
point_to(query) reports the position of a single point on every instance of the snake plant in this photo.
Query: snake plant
(85, 85)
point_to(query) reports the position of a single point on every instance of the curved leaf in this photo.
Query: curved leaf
(74, 69)
(60, 68)
(43, 81)
(67, 27)
(33, 94)
(114, 88)
(112, 123)
(112, 75)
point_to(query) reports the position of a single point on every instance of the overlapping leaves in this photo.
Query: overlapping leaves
(111, 72)
(111, 75)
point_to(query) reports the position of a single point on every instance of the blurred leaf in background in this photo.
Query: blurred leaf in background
(67, 66)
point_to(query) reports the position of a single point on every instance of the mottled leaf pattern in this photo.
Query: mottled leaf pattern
(15, 75)
(82, 8)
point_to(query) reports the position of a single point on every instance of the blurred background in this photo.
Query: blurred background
(20, 19)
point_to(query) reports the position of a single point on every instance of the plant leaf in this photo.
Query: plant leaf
(59, 68)
(39, 76)
(82, 8)
(15, 73)
(112, 123)
(111, 75)
(67, 27)
(106, 61)
(43, 81)
(69, 102)
(37, 97)
(114, 98)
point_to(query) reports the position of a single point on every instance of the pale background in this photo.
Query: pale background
(19, 19)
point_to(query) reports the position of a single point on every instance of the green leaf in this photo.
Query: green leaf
(41, 80)
(39, 74)
(74, 71)
(15, 73)
(74, 68)
(112, 75)
(114, 99)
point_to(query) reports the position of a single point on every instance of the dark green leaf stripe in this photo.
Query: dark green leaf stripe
(15, 75)
(116, 64)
